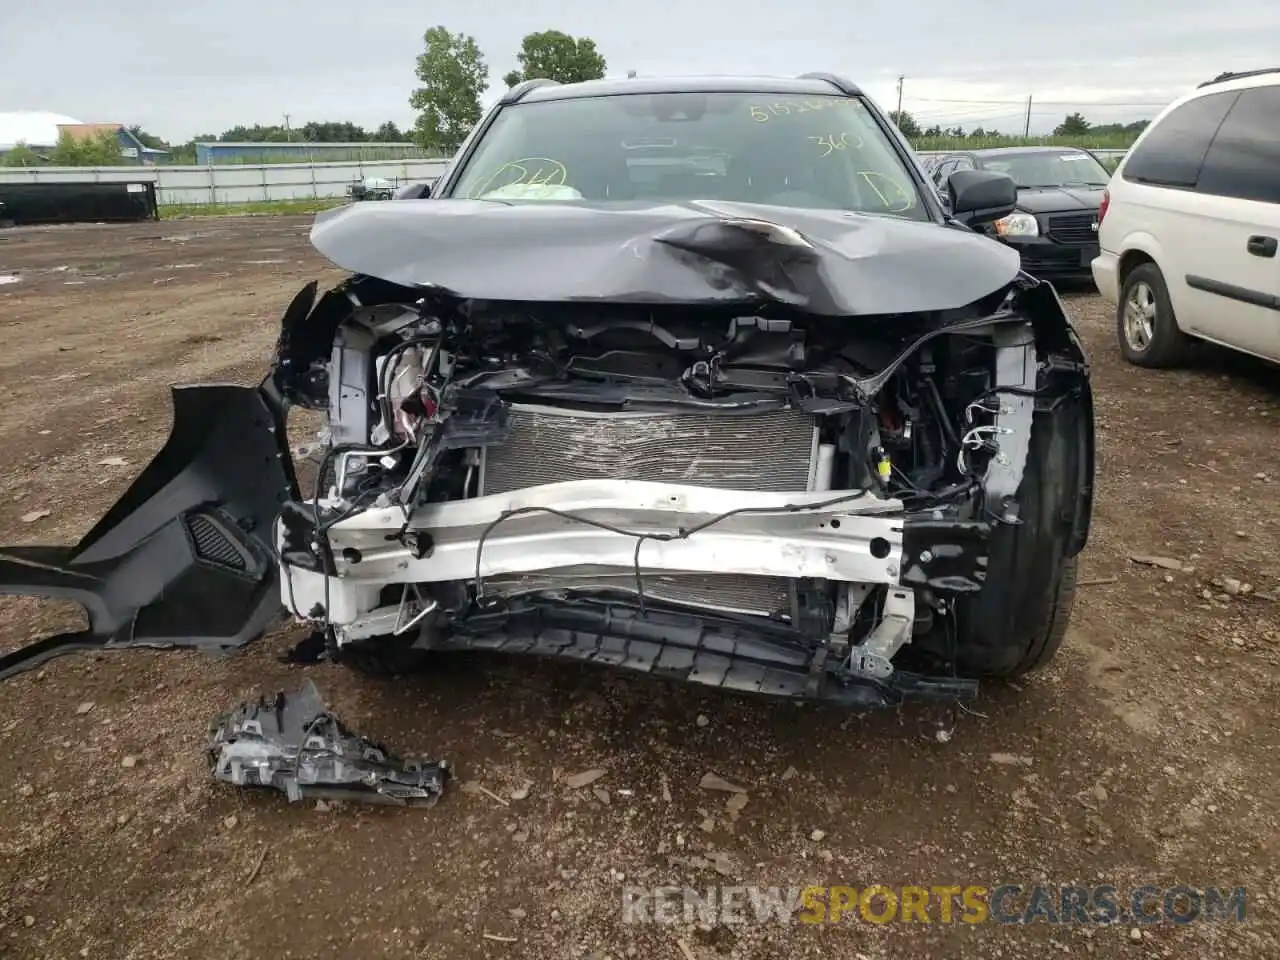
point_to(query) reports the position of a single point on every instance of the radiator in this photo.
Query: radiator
(766, 451)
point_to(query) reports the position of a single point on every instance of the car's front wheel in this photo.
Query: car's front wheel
(1017, 622)
(1145, 322)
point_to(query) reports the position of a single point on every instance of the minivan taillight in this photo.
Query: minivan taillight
(1102, 207)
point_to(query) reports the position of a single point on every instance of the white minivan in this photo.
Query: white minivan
(1190, 223)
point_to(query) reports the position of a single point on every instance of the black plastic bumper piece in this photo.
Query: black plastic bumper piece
(184, 558)
(690, 649)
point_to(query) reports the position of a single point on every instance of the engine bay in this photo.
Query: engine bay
(434, 401)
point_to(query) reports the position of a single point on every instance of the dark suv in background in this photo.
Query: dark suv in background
(1055, 226)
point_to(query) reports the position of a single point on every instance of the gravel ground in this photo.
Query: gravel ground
(1144, 755)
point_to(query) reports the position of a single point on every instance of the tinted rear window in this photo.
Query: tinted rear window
(1172, 152)
(1244, 160)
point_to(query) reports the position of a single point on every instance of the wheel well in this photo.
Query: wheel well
(1131, 261)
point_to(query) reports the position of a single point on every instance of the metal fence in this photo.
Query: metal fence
(239, 183)
(250, 183)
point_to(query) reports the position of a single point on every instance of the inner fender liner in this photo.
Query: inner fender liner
(184, 558)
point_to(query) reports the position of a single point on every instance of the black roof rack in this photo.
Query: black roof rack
(1229, 75)
(847, 87)
(516, 93)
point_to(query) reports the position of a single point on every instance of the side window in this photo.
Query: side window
(944, 170)
(1171, 154)
(1244, 160)
(964, 163)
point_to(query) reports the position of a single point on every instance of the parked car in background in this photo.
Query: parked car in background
(371, 188)
(1059, 192)
(1190, 224)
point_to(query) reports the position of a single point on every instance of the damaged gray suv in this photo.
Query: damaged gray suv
(693, 377)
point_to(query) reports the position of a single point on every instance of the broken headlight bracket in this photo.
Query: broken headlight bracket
(294, 744)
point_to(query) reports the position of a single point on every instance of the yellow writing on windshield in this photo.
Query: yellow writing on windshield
(831, 142)
(527, 171)
(893, 194)
(763, 112)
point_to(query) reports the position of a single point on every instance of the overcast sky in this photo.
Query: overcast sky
(184, 69)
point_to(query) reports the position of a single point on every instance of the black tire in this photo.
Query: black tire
(1167, 345)
(1007, 657)
(1016, 624)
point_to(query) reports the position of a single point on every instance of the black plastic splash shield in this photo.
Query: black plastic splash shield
(693, 649)
(184, 558)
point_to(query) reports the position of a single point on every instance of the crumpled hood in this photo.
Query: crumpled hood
(822, 261)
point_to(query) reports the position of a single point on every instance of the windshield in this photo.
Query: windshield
(816, 152)
(1045, 169)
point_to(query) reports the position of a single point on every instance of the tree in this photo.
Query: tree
(148, 139)
(933, 131)
(1073, 125)
(331, 131)
(454, 74)
(389, 133)
(906, 123)
(1120, 129)
(20, 156)
(255, 134)
(100, 150)
(553, 55)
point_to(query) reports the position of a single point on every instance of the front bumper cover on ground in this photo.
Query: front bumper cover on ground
(181, 559)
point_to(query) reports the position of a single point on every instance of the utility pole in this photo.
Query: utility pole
(900, 79)
(1026, 130)
(288, 135)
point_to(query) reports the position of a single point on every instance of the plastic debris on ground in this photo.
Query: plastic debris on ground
(292, 743)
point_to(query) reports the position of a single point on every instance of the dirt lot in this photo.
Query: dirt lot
(1144, 755)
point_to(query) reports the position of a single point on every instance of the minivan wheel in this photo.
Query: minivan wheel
(1148, 331)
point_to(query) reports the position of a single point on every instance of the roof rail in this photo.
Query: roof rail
(1229, 75)
(517, 93)
(847, 87)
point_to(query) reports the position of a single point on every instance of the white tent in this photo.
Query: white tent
(35, 128)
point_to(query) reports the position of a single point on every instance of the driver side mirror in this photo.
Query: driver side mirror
(981, 196)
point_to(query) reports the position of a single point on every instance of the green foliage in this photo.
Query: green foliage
(1073, 125)
(20, 156)
(389, 133)
(553, 55)
(948, 140)
(453, 74)
(1119, 129)
(906, 123)
(101, 150)
(148, 139)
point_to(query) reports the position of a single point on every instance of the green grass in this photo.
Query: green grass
(265, 208)
(1096, 142)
